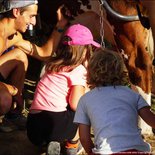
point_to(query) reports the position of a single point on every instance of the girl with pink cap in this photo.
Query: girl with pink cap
(51, 114)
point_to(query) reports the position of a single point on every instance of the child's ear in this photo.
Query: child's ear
(16, 12)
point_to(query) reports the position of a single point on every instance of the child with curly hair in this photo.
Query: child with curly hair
(111, 108)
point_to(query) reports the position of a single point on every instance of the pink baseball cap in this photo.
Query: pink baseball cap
(80, 35)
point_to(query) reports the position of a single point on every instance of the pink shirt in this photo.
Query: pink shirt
(53, 90)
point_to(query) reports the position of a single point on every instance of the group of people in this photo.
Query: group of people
(62, 113)
(15, 17)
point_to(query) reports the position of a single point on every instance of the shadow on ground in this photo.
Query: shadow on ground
(16, 143)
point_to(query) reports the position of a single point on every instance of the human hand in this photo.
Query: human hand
(63, 16)
(134, 88)
(75, 6)
(12, 90)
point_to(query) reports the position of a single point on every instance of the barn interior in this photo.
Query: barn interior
(46, 21)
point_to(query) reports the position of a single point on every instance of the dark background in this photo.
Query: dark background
(46, 20)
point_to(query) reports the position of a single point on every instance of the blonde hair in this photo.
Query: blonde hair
(68, 57)
(106, 68)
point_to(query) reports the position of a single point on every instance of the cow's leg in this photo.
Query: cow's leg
(150, 47)
(147, 79)
(141, 65)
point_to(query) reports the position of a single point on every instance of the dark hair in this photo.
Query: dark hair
(7, 14)
(106, 68)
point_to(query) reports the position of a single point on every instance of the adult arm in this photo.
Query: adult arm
(1, 45)
(51, 45)
(85, 138)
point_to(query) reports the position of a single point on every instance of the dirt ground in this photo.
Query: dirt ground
(151, 141)
(16, 143)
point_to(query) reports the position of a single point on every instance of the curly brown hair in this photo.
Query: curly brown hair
(106, 68)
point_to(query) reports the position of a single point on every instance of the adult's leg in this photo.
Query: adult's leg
(5, 100)
(13, 66)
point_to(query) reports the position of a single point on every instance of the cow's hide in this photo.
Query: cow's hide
(130, 38)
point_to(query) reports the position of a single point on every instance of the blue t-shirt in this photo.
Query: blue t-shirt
(113, 114)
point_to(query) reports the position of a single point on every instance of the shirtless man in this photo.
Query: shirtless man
(15, 17)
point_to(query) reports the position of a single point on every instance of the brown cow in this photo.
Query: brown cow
(131, 39)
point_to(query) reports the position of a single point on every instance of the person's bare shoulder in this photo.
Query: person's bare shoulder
(15, 39)
(2, 45)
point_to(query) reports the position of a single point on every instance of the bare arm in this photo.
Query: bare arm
(2, 44)
(76, 93)
(85, 138)
(50, 46)
(147, 115)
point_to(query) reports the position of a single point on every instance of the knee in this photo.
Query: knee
(5, 102)
(22, 57)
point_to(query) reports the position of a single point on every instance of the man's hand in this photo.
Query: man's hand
(12, 90)
(63, 16)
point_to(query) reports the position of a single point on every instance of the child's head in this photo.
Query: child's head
(79, 35)
(76, 48)
(106, 68)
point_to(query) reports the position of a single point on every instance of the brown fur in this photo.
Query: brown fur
(131, 37)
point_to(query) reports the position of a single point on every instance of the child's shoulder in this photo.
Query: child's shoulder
(79, 69)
